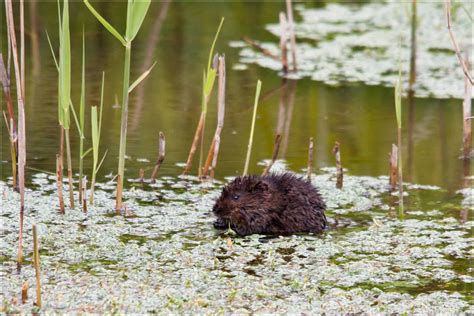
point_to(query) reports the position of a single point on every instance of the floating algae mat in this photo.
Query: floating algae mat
(340, 44)
(165, 255)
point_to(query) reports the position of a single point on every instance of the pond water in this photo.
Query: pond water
(167, 255)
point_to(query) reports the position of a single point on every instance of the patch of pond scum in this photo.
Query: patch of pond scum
(348, 43)
(168, 258)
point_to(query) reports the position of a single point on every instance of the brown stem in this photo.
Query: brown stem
(192, 151)
(216, 152)
(36, 260)
(291, 30)
(339, 171)
(283, 42)
(413, 47)
(276, 149)
(259, 47)
(467, 105)
(464, 65)
(24, 292)
(161, 156)
(69, 169)
(393, 167)
(59, 181)
(84, 194)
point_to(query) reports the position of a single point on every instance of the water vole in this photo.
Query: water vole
(272, 204)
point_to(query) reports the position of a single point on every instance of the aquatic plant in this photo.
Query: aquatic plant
(276, 149)
(161, 156)
(64, 90)
(82, 106)
(209, 76)
(398, 111)
(20, 93)
(36, 262)
(339, 170)
(96, 125)
(136, 12)
(213, 149)
(252, 127)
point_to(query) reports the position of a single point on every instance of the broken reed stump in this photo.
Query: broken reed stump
(259, 47)
(291, 31)
(310, 158)
(467, 103)
(161, 156)
(84, 193)
(214, 158)
(141, 175)
(24, 292)
(59, 181)
(36, 261)
(283, 42)
(276, 149)
(220, 114)
(339, 171)
(394, 167)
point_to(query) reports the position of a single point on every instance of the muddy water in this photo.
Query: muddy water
(167, 256)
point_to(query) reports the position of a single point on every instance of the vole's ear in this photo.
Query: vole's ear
(259, 186)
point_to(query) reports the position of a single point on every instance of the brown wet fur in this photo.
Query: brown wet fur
(272, 204)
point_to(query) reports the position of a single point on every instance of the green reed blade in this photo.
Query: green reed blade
(104, 22)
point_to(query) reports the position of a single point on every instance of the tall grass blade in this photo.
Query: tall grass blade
(141, 78)
(104, 22)
(252, 128)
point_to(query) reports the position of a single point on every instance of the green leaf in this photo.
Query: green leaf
(52, 50)
(104, 22)
(82, 102)
(138, 12)
(214, 44)
(141, 78)
(86, 153)
(211, 77)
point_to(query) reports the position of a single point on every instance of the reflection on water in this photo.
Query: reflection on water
(178, 36)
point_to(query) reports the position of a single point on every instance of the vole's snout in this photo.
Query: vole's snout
(216, 209)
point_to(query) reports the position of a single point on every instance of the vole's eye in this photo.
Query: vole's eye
(236, 197)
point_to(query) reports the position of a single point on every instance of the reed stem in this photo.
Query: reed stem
(36, 260)
(123, 128)
(339, 170)
(276, 149)
(161, 156)
(310, 158)
(69, 168)
(252, 127)
(393, 167)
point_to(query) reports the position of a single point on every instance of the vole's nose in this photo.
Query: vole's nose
(216, 209)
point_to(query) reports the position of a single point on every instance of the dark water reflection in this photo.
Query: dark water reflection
(361, 118)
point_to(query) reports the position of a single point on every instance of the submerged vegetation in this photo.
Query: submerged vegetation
(147, 245)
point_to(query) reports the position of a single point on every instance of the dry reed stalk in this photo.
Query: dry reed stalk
(291, 30)
(220, 114)
(36, 260)
(283, 42)
(12, 138)
(276, 149)
(197, 135)
(464, 65)
(4, 79)
(24, 292)
(59, 181)
(413, 47)
(21, 124)
(69, 169)
(259, 47)
(467, 131)
(214, 157)
(84, 194)
(393, 167)
(310, 158)
(339, 171)
(141, 175)
(161, 156)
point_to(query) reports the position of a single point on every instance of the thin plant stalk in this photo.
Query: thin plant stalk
(467, 105)
(398, 111)
(96, 124)
(283, 42)
(464, 65)
(291, 29)
(276, 149)
(24, 292)
(220, 114)
(161, 156)
(59, 181)
(252, 128)
(413, 45)
(339, 170)
(214, 157)
(84, 194)
(21, 126)
(393, 167)
(36, 259)
(82, 106)
(310, 158)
